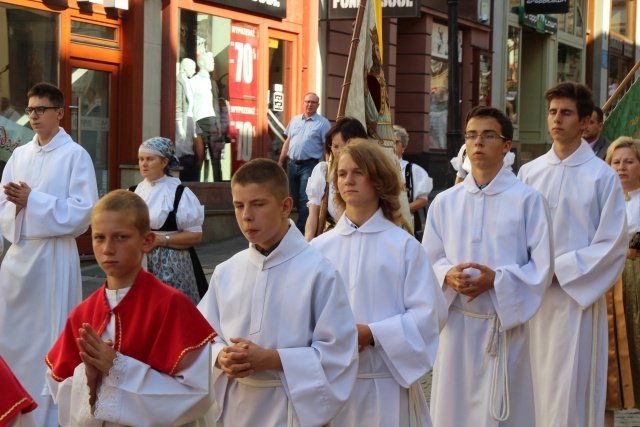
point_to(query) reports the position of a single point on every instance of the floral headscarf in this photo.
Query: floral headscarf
(162, 147)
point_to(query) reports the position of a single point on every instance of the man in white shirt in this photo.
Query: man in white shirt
(489, 240)
(569, 332)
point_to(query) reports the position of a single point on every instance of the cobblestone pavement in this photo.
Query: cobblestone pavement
(213, 254)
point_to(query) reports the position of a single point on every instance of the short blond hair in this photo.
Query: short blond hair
(126, 202)
(380, 169)
(623, 142)
(264, 172)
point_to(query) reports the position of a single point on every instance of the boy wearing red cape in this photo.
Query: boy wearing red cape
(136, 352)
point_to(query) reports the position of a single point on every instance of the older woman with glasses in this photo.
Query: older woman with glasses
(176, 217)
(623, 301)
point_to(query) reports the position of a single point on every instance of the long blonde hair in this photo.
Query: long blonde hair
(381, 171)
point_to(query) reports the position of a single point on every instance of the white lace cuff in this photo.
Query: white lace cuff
(108, 403)
(82, 395)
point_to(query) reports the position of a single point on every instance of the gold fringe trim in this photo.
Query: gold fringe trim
(18, 403)
(211, 336)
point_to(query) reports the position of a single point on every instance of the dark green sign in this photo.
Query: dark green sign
(541, 23)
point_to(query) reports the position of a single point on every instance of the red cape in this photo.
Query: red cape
(14, 399)
(155, 324)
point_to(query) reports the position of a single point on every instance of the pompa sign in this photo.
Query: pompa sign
(546, 6)
(347, 9)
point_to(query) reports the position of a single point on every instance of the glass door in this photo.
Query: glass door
(91, 121)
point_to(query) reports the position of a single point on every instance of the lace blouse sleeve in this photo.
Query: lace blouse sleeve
(316, 184)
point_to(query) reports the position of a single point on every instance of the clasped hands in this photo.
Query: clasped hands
(97, 355)
(17, 194)
(464, 284)
(244, 358)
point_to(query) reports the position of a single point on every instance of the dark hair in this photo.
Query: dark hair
(599, 112)
(126, 202)
(505, 123)
(581, 94)
(348, 128)
(380, 169)
(264, 172)
(47, 90)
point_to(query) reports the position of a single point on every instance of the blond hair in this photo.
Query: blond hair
(623, 142)
(125, 202)
(380, 169)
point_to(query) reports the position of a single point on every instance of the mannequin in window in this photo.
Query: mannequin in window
(185, 124)
(203, 108)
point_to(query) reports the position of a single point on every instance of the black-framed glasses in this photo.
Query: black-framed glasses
(489, 136)
(39, 110)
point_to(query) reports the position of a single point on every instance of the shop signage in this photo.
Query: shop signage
(243, 61)
(243, 123)
(278, 98)
(266, 7)
(546, 6)
(347, 9)
(243, 91)
(541, 23)
(615, 45)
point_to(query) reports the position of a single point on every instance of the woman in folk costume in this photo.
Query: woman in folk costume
(320, 180)
(623, 300)
(176, 218)
(398, 306)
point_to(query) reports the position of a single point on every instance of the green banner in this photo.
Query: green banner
(624, 119)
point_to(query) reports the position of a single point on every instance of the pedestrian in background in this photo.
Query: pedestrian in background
(176, 218)
(302, 150)
(623, 301)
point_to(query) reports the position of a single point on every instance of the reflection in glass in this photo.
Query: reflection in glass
(91, 89)
(439, 102)
(619, 18)
(513, 73)
(279, 94)
(28, 55)
(484, 79)
(568, 63)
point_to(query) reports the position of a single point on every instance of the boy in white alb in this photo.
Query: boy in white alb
(569, 333)
(489, 240)
(397, 304)
(286, 350)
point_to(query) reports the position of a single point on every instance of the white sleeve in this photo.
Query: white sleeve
(519, 289)
(316, 184)
(408, 342)
(72, 398)
(190, 215)
(319, 377)
(10, 223)
(50, 216)
(587, 273)
(422, 183)
(433, 243)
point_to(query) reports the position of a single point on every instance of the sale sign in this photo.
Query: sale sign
(242, 126)
(243, 61)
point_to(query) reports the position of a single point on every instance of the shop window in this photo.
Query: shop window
(569, 66)
(280, 52)
(513, 73)
(439, 94)
(216, 96)
(29, 54)
(572, 22)
(621, 17)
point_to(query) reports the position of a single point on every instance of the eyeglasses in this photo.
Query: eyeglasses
(490, 136)
(39, 110)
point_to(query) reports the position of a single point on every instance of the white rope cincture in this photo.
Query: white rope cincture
(492, 350)
(594, 360)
